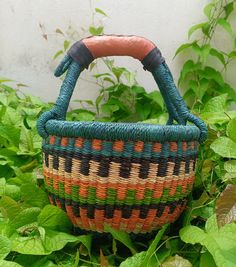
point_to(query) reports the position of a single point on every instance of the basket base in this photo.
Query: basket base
(155, 218)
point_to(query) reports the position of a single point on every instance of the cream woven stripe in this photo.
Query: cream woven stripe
(114, 170)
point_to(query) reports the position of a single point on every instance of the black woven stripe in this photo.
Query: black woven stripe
(125, 168)
(144, 168)
(104, 163)
(162, 168)
(104, 167)
(126, 209)
(84, 166)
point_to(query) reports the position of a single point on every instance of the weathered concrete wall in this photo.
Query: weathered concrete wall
(26, 56)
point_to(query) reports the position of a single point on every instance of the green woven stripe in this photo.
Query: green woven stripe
(111, 197)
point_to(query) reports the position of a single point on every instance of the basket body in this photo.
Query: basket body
(133, 186)
(134, 177)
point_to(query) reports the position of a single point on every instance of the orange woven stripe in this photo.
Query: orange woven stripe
(173, 146)
(133, 220)
(118, 146)
(192, 145)
(83, 190)
(158, 190)
(97, 144)
(101, 191)
(121, 191)
(84, 218)
(116, 219)
(67, 186)
(157, 147)
(79, 142)
(184, 146)
(70, 214)
(51, 200)
(99, 219)
(55, 182)
(52, 140)
(140, 192)
(64, 141)
(58, 203)
(138, 147)
(173, 188)
(133, 224)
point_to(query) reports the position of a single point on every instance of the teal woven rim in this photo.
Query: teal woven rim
(123, 131)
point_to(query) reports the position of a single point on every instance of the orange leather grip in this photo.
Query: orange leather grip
(118, 45)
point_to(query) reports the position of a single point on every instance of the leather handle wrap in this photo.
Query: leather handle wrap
(88, 49)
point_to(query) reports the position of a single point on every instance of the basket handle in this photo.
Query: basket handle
(88, 49)
(83, 52)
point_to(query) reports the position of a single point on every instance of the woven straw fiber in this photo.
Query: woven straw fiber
(134, 177)
(132, 186)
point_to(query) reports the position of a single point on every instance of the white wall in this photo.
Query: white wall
(26, 56)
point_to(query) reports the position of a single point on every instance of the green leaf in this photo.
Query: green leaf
(121, 236)
(12, 117)
(26, 144)
(11, 134)
(195, 28)
(216, 104)
(217, 117)
(35, 245)
(211, 73)
(226, 25)
(229, 8)
(135, 260)
(230, 166)
(176, 261)
(232, 54)
(188, 67)
(9, 207)
(217, 54)
(231, 129)
(157, 98)
(5, 247)
(58, 53)
(211, 225)
(226, 206)
(98, 10)
(34, 196)
(192, 234)
(86, 240)
(207, 260)
(224, 147)
(221, 243)
(54, 218)
(66, 45)
(182, 48)
(12, 191)
(203, 51)
(208, 10)
(57, 240)
(82, 115)
(151, 250)
(26, 216)
(4, 263)
(96, 31)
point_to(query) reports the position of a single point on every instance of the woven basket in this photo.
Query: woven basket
(132, 176)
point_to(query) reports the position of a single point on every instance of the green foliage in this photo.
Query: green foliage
(221, 243)
(36, 234)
